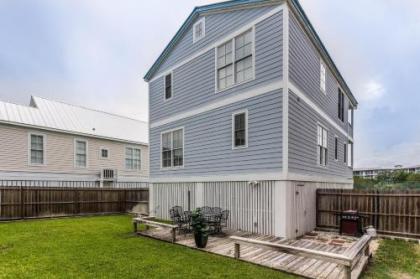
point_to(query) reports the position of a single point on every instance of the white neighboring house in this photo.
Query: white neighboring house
(374, 172)
(50, 140)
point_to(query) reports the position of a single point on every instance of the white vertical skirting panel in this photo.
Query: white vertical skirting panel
(251, 207)
(167, 195)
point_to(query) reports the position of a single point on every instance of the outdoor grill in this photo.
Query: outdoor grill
(351, 223)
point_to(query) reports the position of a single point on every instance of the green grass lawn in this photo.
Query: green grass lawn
(104, 247)
(395, 259)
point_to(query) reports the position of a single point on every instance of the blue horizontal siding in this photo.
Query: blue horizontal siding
(304, 71)
(303, 156)
(208, 140)
(194, 82)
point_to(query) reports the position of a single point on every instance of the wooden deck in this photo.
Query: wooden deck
(295, 264)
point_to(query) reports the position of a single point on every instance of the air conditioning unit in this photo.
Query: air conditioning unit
(108, 175)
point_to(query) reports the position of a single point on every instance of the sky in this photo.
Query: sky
(95, 53)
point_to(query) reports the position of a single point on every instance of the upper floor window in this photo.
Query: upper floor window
(172, 143)
(323, 78)
(322, 146)
(340, 105)
(240, 129)
(80, 152)
(350, 115)
(132, 158)
(168, 86)
(199, 30)
(104, 153)
(345, 153)
(37, 149)
(235, 61)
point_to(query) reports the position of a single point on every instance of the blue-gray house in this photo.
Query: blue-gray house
(249, 112)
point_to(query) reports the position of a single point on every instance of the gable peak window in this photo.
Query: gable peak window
(340, 105)
(168, 86)
(199, 30)
(80, 152)
(240, 129)
(323, 78)
(322, 146)
(172, 143)
(235, 60)
(37, 149)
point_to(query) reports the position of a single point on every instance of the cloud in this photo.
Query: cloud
(373, 90)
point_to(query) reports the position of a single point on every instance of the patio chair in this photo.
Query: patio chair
(179, 218)
(223, 220)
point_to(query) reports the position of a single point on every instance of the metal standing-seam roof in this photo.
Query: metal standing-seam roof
(61, 117)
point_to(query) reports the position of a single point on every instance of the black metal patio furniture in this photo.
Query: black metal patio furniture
(180, 218)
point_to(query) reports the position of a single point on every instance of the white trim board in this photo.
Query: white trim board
(278, 176)
(221, 103)
(220, 41)
(285, 109)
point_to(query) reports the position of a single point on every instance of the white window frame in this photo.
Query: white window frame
(350, 115)
(323, 77)
(172, 153)
(350, 154)
(164, 86)
(323, 128)
(201, 21)
(244, 111)
(125, 158)
(100, 153)
(75, 153)
(232, 39)
(44, 151)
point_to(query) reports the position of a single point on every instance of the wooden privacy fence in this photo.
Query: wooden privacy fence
(390, 212)
(21, 202)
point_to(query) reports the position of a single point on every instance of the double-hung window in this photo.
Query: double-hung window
(235, 61)
(340, 105)
(322, 146)
(172, 143)
(37, 149)
(132, 158)
(345, 153)
(168, 86)
(323, 78)
(80, 153)
(240, 129)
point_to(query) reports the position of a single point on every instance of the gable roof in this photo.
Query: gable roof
(62, 117)
(294, 4)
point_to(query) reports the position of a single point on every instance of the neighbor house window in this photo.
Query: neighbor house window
(37, 149)
(235, 61)
(104, 152)
(350, 115)
(132, 158)
(172, 143)
(168, 86)
(322, 146)
(336, 148)
(80, 153)
(323, 76)
(240, 129)
(350, 154)
(340, 105)
(199, 30)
